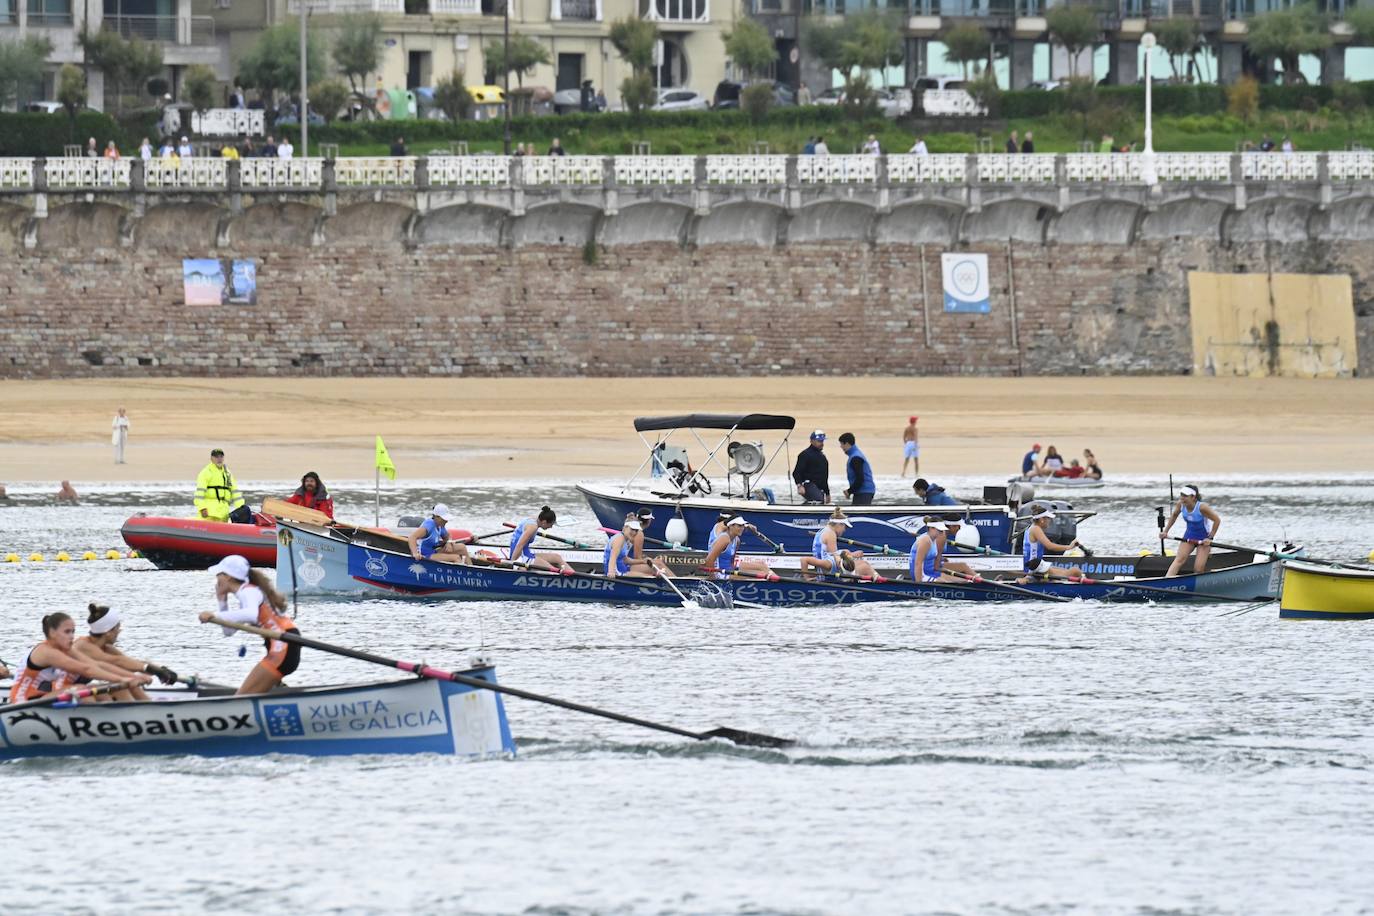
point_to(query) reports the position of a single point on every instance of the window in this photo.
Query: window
(50, 12)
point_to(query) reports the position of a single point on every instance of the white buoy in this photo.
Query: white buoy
(676, 531)
(968, 536)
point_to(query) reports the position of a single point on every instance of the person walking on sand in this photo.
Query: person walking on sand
(119, 435)
(911, 447)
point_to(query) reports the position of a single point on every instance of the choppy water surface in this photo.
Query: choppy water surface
(1000, 758)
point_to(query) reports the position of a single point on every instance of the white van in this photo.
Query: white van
(944, 96)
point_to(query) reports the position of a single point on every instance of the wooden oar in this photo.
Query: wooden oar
(777, 548)
(1130, 583)
(738, 736)
(998, 585)
(68, 696)
(553, 537)
(882, 549)
(686, 602)
(1280, 555)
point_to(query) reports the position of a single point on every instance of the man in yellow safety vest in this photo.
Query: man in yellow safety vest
(217, 495)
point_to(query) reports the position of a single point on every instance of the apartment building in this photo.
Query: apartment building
(186, 38)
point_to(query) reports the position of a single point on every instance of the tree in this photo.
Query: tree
(964, 44)
(126, 63)
(453, 97)
(1286, 35)
(328, 98)
(637, 92)
(1073, 28)
(198, 87)
(71, 91)
(21, 65)
(274, 61)
(751, 48)
(1179, 38)
(634, 40)
(1361, 20)
(358, 47)
(142, 64)
(1242, 99)
(855, 45)
(526, 53)
(756, 100)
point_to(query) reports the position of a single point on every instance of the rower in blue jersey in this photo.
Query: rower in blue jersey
(618, 559)
(432, 538)
(826, 556)
(861, 486)
(928, 562)
(1037, 543)
(1196, 516)
(723, 559)
(522, 540)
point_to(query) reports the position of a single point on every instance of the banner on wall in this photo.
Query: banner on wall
(966, 283)
(210, 281)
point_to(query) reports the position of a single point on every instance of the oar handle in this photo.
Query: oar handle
(553, 537)
(70, 695)
(649, 537)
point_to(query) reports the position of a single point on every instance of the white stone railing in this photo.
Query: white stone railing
(79, 174)
(16, 174)
(447, 171)
(1278, 166)
(1193, 166)
(942, 168)
(837, 169)
(746, 169)
(228, 122)
(1017, 168)
(375, 171)
(1350, 166)
(267, 174)
(655, 169)
(192, 173)
(563, 170)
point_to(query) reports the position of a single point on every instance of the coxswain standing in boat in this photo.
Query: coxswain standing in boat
(617, 560)
(217, 494)
(811, 473)
(105, 624)
(826, 556)
(911, 447)
(861, 487)
(522, 539)
(722, 559)
(1196, 516)
(312, 495)
(52, 666)
(431, 539)
(1037, 544)
(928, 561)
(246, 596)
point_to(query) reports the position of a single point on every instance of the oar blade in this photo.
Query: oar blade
(748, 739)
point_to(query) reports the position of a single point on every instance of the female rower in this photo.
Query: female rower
(52, 665)
(432, 537)
(928, 563)
(618, 562)
(1196, 514)
(827, 558)
(246, 596)
(312, 495)
(722, 556)
(105, 625)
(1037, 544)
(522, 537)
(644, 517)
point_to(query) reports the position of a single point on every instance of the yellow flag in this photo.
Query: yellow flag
(384, 461)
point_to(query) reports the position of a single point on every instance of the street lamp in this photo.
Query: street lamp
(505, 66)
(305, 118)
(1147, 170)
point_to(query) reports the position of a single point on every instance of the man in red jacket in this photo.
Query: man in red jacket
(312, 494)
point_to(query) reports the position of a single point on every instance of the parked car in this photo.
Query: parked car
(832, 96)
(1046, 85)
(566, 101)
(932, 81)
(680, 100)
(43, 107)
(728, 92)
(890, 105)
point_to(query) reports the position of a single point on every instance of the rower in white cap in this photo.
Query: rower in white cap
(928, 561)
(618, 561)
(1037, 543)
(721, 558)
(432, 538)
(826, 555)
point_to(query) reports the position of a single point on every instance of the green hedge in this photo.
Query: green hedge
(1174, 100)
(27, 134)
(548, 126)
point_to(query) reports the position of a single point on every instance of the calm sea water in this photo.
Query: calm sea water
(1016, 758)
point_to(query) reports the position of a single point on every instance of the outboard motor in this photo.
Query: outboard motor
(1063, 528)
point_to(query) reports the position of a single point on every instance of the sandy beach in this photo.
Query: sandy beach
(452, 429)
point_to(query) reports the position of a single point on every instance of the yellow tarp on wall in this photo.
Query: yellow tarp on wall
(1298, 325)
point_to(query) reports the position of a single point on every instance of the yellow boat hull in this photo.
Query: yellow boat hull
(1326, 593)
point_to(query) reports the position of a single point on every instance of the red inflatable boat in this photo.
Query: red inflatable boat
(197, 543)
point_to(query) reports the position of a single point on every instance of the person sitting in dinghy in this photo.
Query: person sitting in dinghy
(312, 495)
(245, 595)
(52, 666)
(105, 624)
(617, 559)
(522, 537)
(432, 538)
(721, 558)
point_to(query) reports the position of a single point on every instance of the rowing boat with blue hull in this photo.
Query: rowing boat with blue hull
(412, 716)
(323, 561)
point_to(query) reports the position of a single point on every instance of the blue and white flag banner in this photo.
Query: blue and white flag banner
(966, 283)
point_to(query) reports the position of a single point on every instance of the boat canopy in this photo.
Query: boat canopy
(715, 421)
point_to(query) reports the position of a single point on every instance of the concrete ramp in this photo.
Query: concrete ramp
(1097, 222)
(1351, 219)
(1018, 220)
(657, 221)
(464, 224)
(12, 220)
(751, 223)
(277, 223)
(1190, 218)
(919, 224)
(82, 225)
(556, 224)
(379, 223)
(1275, 219)
(831, 221)
(179, 227)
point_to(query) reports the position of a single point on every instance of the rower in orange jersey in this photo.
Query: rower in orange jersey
(246, 596)
(52, 666)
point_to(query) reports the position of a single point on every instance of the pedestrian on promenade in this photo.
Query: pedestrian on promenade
(1013, 145)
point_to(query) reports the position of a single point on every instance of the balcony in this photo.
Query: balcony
(347, 6)
(675, 11)
(198, 30)
(575, 10)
